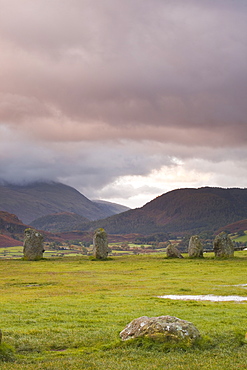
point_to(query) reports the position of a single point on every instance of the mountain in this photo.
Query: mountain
(112, 207)
(179, 211)
(32, 201)
(67, 221)
(59, 222)
(187, 210)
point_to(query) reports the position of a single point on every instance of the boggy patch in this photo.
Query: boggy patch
(208, 297)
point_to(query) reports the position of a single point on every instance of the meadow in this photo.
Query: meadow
(67, 312)
(242, 239)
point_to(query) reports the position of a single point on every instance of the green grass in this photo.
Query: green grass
(241, 239)
(67, 312)
(17, 252)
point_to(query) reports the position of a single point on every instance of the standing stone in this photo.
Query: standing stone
(100, 244)
(163, 328)
(173, 252)
(33, 248)
(195, 249)
(223, 245)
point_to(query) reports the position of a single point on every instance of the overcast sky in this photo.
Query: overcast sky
(124, 99)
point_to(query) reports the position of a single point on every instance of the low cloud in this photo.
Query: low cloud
(94, 92)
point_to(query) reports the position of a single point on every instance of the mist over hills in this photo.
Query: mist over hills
(35, 200)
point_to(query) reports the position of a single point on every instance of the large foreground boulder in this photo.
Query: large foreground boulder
(33, 248)
(223, 245)
(173, 252)
(195, 249)
(100, 244)
(164, 328)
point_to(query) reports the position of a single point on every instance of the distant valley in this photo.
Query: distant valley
(40, 199)
(58, 208)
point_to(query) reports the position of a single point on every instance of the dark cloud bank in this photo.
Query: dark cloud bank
(106, 95)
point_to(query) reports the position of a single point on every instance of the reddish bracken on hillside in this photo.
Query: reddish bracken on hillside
(10, 228)
(7, 241)
(234, 227)
(12, 231)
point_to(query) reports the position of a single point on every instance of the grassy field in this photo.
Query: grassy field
(242, 238)
(67, 312)
(17, 252)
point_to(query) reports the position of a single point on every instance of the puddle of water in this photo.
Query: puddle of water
(209, 297)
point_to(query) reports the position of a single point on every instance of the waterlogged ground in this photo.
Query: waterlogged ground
(67, 312)
(209, 297)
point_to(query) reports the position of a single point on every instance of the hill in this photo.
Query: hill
(12, 231)
(112, 207)
(59, 222)
(32, 201)
(7, 241)
(9, 223)
(234, 227)
(181, 211)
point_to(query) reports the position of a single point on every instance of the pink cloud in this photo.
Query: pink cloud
(161, 76)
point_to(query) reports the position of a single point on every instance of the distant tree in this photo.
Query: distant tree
(75, 242)
(87, 244)
(241, 233)
(54, 245)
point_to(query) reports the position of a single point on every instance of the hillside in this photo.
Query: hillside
(181, 211)
(7, 241)
(234, 227)
(10, 224)
(87, 236)
(112, 207)
(32, 201)
(59, 222)
(12, 231)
